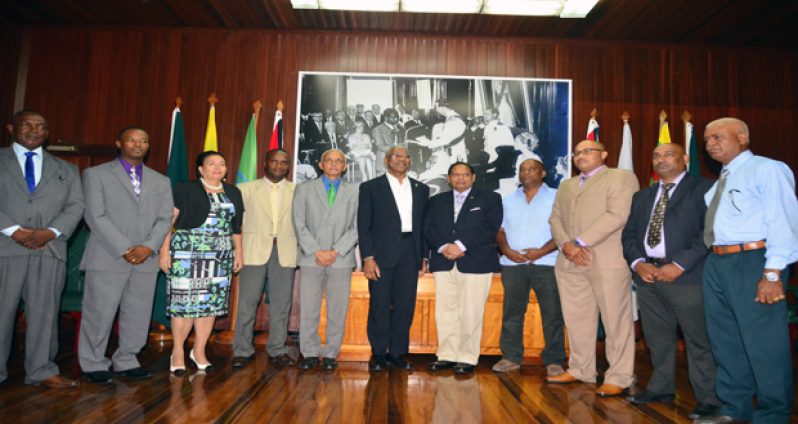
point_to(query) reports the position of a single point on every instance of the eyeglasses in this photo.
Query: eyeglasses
(586, 151)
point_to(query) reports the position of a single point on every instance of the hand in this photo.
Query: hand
(22, 235)
(452, 252)
(514, 256)
(770, 293)
(583, 257)
(424, 267)
(238, 263)
(165, 262)
(371, 270)
(534, 254)
(667, 273)
(137, 255)
(325, 257)
(570, 250)
(33, 238)
(646, 271)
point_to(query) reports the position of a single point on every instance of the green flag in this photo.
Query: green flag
(248, 166)
(692, 150)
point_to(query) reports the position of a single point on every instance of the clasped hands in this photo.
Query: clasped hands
(664, 274)
(530, 255)
(326, 257)
(579, 255)
(452, 252)
(137, 255)
(33, 238)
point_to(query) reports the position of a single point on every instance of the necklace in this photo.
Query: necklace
(217, 187)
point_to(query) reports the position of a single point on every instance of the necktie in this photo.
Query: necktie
(459, 199)
(709, 221)
(136, 183)
(655, 226)
(274, 200)
(30, 171)
(331, 195)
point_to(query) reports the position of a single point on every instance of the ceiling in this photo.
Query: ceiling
(762, 23)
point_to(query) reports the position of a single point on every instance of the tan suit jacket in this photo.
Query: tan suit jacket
(256, 229)
(596, 214)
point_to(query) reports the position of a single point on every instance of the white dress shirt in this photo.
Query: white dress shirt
(403, 195)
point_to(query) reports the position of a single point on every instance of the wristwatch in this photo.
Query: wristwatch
(771, 276)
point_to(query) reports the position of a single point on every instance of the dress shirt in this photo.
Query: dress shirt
(328, 182)
(659, 251)
(128, 166)
(275, 200)
(526, 224)
(20, 151)
(758, 204)
(403, 195)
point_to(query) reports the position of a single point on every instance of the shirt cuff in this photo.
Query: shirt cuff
(440, 249)
(680, 267)
(582, 242)
(11, 230)
(57, 233)
(635, 262)
(460, 245)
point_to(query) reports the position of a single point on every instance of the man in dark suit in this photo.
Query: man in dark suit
(390, 213)
(460, 228)
(42, 203)
(663, 244)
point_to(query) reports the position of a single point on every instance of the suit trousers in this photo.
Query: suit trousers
(584, 293)
(104, 292)
(750, 340)
(517, 281)
(333, 284)
(250, 288)
(663, 307)
(392, 303)
(459, 312)
(39, 281)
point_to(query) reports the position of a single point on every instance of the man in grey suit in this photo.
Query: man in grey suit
(386, 136)
(42, 203)
(129, 211)
(324, 212)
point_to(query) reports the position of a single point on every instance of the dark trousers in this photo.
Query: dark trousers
(749, 340)
(392, 303)
(663, 307)
(517, 282)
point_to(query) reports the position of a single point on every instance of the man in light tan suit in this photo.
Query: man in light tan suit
(589, 214)
(269, 244)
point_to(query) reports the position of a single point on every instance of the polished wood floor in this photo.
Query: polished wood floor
(260, 393)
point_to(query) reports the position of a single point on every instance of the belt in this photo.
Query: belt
(657, 261)
(406, 235)
(737, 248)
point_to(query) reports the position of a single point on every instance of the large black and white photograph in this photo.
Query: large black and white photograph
(491, 123)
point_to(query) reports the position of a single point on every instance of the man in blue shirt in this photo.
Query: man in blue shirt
(752, 229)
(528, 256)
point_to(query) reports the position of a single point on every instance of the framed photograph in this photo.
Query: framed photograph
(491, 123)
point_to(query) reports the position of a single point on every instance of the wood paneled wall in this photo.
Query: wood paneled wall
(92, 82)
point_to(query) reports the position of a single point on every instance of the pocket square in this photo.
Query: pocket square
(474, 209)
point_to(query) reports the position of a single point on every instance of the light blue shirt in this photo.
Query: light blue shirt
(527, 224)
(759, 203)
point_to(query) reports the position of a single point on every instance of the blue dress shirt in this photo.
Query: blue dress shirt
(527, 224)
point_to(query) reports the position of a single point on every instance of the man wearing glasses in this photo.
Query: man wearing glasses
(589, 213)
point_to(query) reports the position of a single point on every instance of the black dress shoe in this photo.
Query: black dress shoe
(100, 377)
(463, 368)
(703, 410)
(398, 361)
(308, 363)
(137, 373)
(377, 363)
(241, 361)
(649, 397)
(441, 365)
(329, 364)
(282, 360)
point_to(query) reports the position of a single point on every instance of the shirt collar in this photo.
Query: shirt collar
(20, 150)
(278, 184)
(463, 194)
(393, 179)
(593, 172)
(738, 161)
(127, 165)
(327, 182)
(675, 181)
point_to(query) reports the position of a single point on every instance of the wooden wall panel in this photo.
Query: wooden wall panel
(10, 43)
(92, 82)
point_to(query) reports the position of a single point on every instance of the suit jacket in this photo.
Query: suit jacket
(595, 213)
(118, 221)
(321, 227)
(476, 227)
(257, 228)
(379, 225)
(57, 202)
(192, 201)
(385, 138)
(683, 227)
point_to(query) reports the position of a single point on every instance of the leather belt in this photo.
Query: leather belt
(657, 261)
(737, 248)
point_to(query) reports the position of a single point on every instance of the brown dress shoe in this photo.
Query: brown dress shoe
(58, 382)
(609, 390)
(564, 378)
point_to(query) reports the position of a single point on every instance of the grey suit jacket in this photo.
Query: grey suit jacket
(57, 202)
(119, 222)
(320, 227)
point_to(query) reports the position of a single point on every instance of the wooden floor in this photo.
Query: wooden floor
(261, 393)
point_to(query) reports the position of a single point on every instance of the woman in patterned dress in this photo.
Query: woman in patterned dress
(200, 256)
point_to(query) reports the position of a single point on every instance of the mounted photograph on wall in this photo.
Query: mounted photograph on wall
(491, 123)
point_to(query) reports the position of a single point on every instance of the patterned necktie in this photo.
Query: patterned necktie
(331, 195)
(30, 171)
(709, 221)
(655, 226)
(136, 183)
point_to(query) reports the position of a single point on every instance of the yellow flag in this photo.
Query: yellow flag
(664, 134)
(210, 133)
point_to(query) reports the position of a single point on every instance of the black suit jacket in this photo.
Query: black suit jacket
(192, 200)
(379, 225)
(683, 227)
(476, 227)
